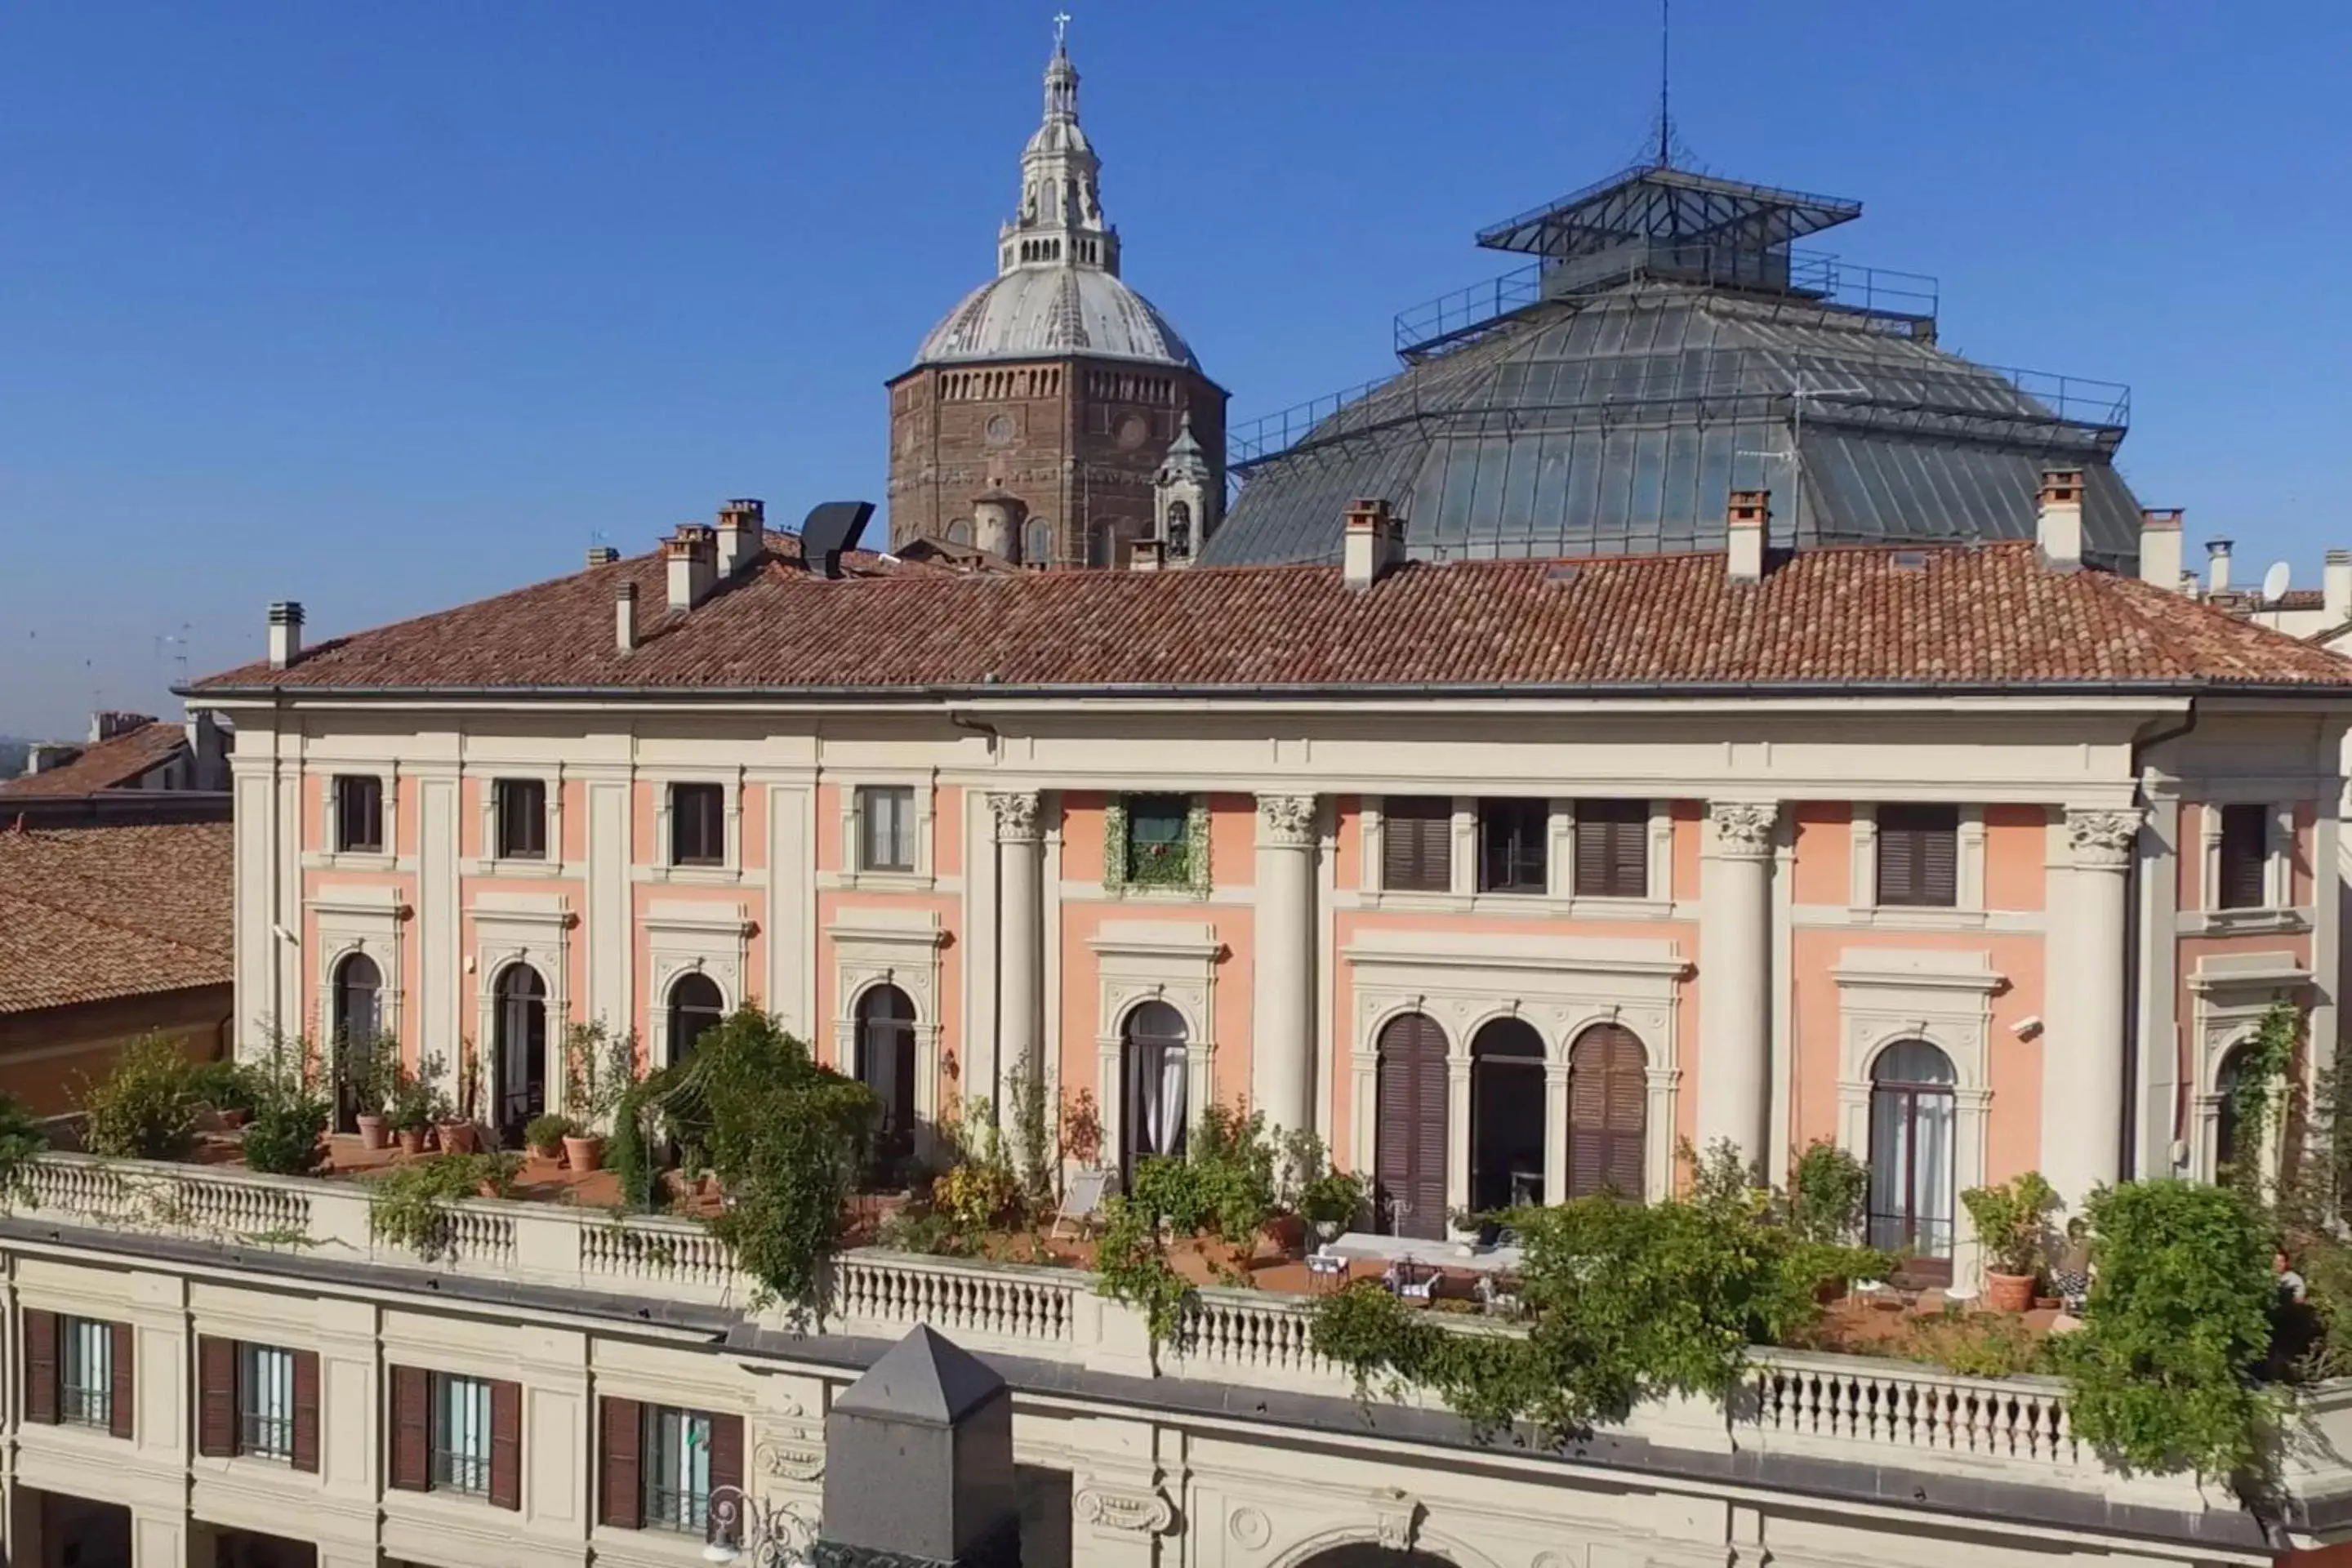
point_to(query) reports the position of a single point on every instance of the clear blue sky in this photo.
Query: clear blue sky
(388, 307)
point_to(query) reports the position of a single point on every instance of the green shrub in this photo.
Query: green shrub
(223, 1085)
(1335, 1197)
(600, 1066)
(545, 1132)
(2012, 1221)
(289, 1113)
(416, 1101)
(629, 1155)
(1828, 1195)
(410, 1206)
(22, 1141)
(147, 1107)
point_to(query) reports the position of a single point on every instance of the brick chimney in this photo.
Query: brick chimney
(1374, 544)
(2336, 587)
(285, 633)
(1746, 523)
(742, 534)
(2159, 548)
(2058, 529)
(692, 554)
(625, 616)
(602, 555)
(107, 723)
(2217, 565)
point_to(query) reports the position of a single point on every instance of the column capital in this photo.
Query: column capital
(2102, 838)
(1743, 828)
(1287, 820)
(1016, 815)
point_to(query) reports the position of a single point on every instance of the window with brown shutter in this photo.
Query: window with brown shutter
(1608, 1104)
(216, 1396)
(120, 1403)
(1919, 856)
(1409, 1153)
(412, 1423)
(40, 1366)
(726, 1451)
(1514, 846)
(506, 1445)
(1612, 849)
(2245, 882)
(1417, 844)
(620, 1503)
(306, 1411)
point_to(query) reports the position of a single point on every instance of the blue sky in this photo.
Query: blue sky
(385, 307)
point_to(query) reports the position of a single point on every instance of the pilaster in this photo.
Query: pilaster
(1281, 1031)
(2082, 1060)
(1735, 977)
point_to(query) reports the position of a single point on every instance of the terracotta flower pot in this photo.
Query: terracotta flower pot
(2008, 1292)
(459, 1138)
(2047, 1303)
(412, 1140)
(1286, 1232)
(371, 1136)
(583, 1155)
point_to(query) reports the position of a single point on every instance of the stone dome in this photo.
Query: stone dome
(1044, 311)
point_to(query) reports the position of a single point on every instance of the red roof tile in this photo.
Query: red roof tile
(1987, 616)
(88, 913)
(106, 764)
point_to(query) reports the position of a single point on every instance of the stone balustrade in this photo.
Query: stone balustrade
(1882, 1412)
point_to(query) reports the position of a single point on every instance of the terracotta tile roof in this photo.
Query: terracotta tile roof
(1986, 616)
(88, 913)
(106, 764)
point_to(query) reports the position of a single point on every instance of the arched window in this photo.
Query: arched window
(357, 1006)
(1507, 1116)
(1037, 543)
(695, 1005)
(1100, 542)
(960, 533)
(1153, 1070)
(1409, 1151)
(2225, 1115)
(1179, 528)
(1911, 1118)
(886, 1064)
(1608, 1114)
(519, 1048)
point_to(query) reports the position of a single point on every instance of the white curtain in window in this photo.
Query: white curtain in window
(89, 1370)
(1167, 1105)
(268, 1400)
(464, 1418)
(1931, 1174)
(1912, 1117)
(677, 1474)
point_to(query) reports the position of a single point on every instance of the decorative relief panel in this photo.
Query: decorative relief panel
(1126, 1510)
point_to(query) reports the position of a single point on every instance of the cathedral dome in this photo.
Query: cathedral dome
(1036, 312)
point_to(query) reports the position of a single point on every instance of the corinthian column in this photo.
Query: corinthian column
(2083, 1062)
(1282, 1031)
(1735, 982)
(1021, 926)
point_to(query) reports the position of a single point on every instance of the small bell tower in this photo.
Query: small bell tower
(1184, 496)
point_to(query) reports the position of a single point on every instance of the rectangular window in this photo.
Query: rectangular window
(2245, 882)
(461, 1435)
(264, 1401)
(697, 825)
(1612, 849)
(1512, 853)
(887, 815)
(1159, 839)
(358, 815)
(676, 1470)
(86, 1372)
(1919, 856)
(1417, 844)
(521, 807)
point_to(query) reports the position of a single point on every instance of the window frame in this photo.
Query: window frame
(694, 1519)
(447, 1469)
(1618, 815)
(345, 814)
(1535, 816)
(904, 829)
(2220, 894)
(254, 1427)
(1440, 811)
(506, 816)
(713, 821)
(84, 1404)
(1184, 874)
(1879, 834)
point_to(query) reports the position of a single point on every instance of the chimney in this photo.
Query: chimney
(692, 554)
(1744, 525)
(996, 524)
(625, 616)
(2336, 587)
(209, 749)
(602, 555)
(2159, 547)
(742, 534)
(1374, 544)
(43, 756)
(2059, 529)
(1148, 556)
(2217, 565)
(107, 723)
(285, 633)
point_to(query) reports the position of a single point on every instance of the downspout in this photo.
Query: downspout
(2132, 966)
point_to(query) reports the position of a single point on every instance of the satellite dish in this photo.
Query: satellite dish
(2274, 583)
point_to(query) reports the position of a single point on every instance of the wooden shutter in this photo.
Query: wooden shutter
(622, 1502)
(1918, 855)
(306, 1411)
(506, 1445)
(1612, 849)
(1608, 1106)
(122, 1395)
(40, 1366)
(1417, 845)
(2245, 857)
(726, 1452)
(216, 1396)
(411, 1428)
(1409, 1150)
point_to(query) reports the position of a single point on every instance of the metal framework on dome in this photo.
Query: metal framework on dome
(1653, 205)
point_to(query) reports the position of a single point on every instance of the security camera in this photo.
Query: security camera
(2027, 1027)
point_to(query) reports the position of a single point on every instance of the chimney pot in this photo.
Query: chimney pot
(742, 534)
(1373, 544)
(625, 616)
(2059, 526)
(1148, 555)
(692, 556)
(2217, 565)
(2336, 587)
(603, 555)
(2159, 547)
(1746, 523)
(285, 633)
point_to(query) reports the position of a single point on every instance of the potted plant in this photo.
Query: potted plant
(1330, 1203)
(546, 1134)
(375, 1074)
(1462, 1229)
(411, 1114)
(458, 1126)
(599, 1068)
(2010, 1221)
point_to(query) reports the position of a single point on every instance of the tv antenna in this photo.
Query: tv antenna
(1794, 456)
(1665, 83)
